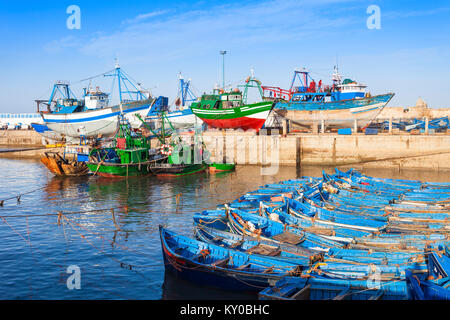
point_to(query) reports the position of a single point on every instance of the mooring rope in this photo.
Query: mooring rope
(19, 196)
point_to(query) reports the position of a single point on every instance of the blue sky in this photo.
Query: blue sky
(155, 40)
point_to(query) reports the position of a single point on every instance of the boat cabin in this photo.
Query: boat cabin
(68, 105)
(350, 89)
(96, 99)
(220, 100)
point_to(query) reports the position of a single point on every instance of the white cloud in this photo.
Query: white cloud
(145, 16)
(230, 25)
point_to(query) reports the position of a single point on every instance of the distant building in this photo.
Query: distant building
(421, 103)
(19, 120)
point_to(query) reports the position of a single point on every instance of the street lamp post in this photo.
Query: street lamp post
(223, 67)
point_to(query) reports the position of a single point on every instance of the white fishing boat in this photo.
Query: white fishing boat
(182, 117)
(91, 123)
(93, 116)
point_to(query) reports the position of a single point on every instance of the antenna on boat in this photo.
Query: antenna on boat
(336, 75)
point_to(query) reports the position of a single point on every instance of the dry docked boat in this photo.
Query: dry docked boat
(92, 116)
(229, 110)
(338, 105)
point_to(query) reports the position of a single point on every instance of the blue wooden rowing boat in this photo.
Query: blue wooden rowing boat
(213, 265)
(434, 285)
(320, 288)
(218, 220)
(333, 268)
(253, 225)
(250, 245)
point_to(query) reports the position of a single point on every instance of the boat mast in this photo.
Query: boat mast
(125, 85)
(184, 92)
(63, 88)
(251, 82)
(299, 74)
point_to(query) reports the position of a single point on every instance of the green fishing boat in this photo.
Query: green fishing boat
(221, 167)
(130, 155)
(229, 110)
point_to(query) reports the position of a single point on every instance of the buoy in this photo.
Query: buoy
(166, 149)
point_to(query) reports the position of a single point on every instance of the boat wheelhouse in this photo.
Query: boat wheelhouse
(229, 110)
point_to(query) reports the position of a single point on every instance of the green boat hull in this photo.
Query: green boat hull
(217, 167)
(119, 170)
(180, 170)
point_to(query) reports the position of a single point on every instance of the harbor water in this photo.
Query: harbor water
(117, 251)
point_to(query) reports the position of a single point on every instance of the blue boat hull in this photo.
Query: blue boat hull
(210, 272)
(334, 114)
(335, 105)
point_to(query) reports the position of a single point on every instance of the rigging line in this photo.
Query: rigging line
(101, 250)
(91, 244)
(21, 194)
(96, 76)
(30, 244)
(47, 214)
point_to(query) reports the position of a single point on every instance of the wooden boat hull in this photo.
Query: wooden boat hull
(319, 288)
(61, 167)
(436, 284)
(215, 272)
(178, 119)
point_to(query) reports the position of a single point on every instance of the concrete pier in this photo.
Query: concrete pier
(358, 150)
(20, 138)
(281, 148)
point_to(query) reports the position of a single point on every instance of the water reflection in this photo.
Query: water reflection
(175, 288)
(145, 203)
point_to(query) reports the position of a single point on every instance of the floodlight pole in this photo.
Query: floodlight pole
(223, 68)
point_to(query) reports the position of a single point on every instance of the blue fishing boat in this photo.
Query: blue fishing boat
(434, 285)
(216, 222)
(330, 267)
(320, 288)
(213, 265)
(339, 105)
(245, 223)
(250, 245)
